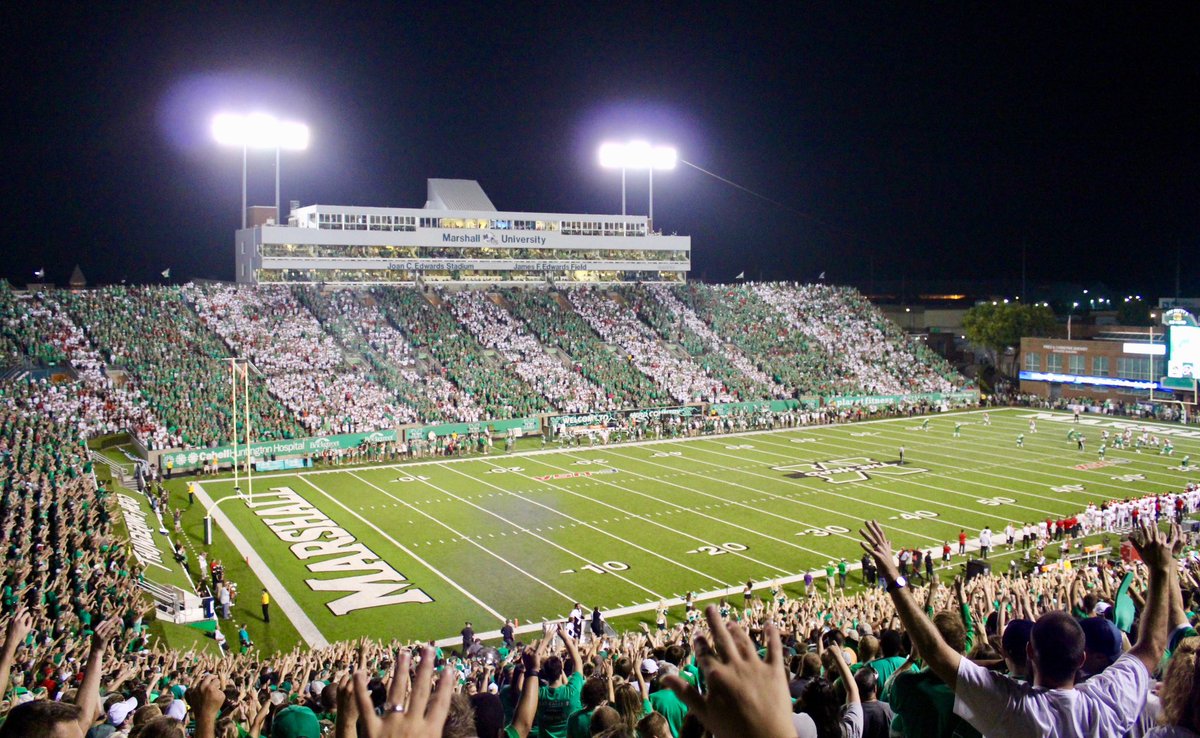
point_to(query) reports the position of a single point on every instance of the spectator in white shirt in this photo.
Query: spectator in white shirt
(1053, 705)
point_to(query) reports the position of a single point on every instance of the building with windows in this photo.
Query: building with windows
(457, 238)
(1121, 364)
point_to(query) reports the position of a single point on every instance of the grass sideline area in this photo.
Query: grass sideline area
(627, 526)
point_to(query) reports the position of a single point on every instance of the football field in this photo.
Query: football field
(412, 550)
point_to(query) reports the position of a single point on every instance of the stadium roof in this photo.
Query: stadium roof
(457, 194)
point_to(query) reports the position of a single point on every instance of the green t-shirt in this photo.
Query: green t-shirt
(925, 705)
(555, 705)
(885, 667)
(579, 724)
(667, 704)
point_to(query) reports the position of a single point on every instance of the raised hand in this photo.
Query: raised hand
(746, 696)
(422, 716)
(875, 542)
(1157, 549)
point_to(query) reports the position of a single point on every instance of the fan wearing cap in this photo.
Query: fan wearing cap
(120, 715)
(296, 721)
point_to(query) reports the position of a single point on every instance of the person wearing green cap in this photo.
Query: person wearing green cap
(296, 721)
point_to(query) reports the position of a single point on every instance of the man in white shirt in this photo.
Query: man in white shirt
(985, 541)
(1052, 705)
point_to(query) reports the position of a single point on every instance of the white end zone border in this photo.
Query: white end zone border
(306, 627)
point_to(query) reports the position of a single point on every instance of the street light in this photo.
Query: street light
(259, 131)
(638, 155)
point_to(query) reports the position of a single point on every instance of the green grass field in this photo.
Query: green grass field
(418, 548)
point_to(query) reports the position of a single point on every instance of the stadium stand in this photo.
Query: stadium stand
(677, 322)
(616, 323)
(500, 393)
(499, 330)
(556, 324)
(177, 363)
(303, 365)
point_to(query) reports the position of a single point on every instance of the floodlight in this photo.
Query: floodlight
(259, 131)
(663, 157)
(612, 156)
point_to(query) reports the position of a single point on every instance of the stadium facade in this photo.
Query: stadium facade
(459, 237)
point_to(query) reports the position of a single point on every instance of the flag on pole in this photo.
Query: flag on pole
(40, 274)
(741, 275)
(166, 273)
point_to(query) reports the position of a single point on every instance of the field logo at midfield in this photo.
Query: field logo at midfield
(854, 469)
(363, 575)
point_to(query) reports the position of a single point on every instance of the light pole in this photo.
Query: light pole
(259, 131)
(638, 155)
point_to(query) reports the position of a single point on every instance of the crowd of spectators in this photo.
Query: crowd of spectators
(151, 359)
(497, 391)
(676, 322)
(103, 405)
(567, 389)
(177, 364)
(552, 320)
(762, 334)
(868, 352)
(617, 324)
(303, 365)
(365, 330)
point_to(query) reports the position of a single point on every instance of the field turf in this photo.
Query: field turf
(624, 527)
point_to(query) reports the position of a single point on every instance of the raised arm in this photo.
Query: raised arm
(572, 649)
(88, 697)
(847, 678)
(18, 629)
(522, 721)
(1157, 551)
(942, 659)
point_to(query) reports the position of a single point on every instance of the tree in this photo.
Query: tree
(1134, 312)
(998, 326)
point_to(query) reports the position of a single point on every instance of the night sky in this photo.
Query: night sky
(902, 140)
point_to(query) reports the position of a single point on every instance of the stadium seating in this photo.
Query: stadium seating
(675, 321)
(557, 325)
(497, 329)
(616, 323)
(176, 362)
(363, 328)
(500, 393)
(303, 365)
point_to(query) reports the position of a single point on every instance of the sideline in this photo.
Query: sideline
(306, 627)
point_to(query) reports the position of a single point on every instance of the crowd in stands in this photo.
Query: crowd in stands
(367, 332)
(497, 329)
(868, 351)
(752, 325)
(617, 324)
(178, 365)
(151, 359)
(676, 322)
(496, 390)
(556, 325)
(102, 404)
(304, 367)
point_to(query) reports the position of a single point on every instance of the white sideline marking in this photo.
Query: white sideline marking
(400, 546)
(307, 628)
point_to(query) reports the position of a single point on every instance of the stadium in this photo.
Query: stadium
(453, 470)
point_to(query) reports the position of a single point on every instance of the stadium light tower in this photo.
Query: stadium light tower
(259, 131)
(638, 155)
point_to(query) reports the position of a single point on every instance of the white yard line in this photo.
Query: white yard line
(307, 628)
(590, 526)
(405, 549)
(759, 510)
(468, 539)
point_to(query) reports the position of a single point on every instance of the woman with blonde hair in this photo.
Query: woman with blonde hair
(1180, 694)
